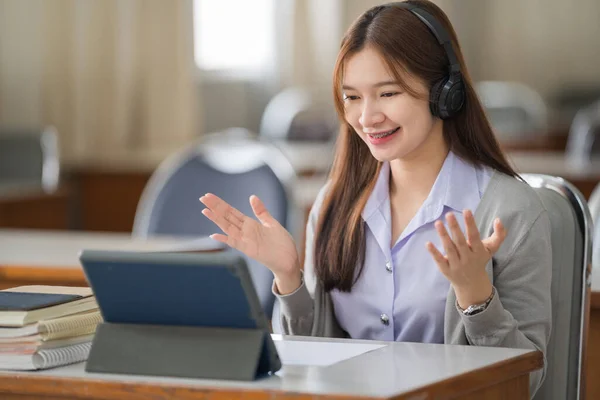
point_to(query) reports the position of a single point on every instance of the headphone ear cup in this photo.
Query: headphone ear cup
(447, 97)
(454, 98)
(434, 97)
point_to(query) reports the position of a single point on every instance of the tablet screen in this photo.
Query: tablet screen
(194, 289)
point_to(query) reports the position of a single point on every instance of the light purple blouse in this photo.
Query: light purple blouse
(401, 294)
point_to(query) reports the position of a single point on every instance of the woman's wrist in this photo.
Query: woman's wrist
(473, 295)
(287, 283)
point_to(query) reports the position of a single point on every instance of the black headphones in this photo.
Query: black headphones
(447, 95)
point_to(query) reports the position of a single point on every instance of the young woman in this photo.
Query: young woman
(424, 232)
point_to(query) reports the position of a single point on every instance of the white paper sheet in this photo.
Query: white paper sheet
(321, 354)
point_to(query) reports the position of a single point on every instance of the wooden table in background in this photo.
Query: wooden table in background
(554, 141)
(30, 257)
(32, 208)
(100, 211)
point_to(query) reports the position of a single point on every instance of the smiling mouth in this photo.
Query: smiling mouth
(384, 134)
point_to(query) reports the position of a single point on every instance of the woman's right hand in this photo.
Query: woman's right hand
(266, 241)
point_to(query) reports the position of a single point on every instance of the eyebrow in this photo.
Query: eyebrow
(377, 85)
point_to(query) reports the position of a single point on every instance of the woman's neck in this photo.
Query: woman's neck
(417, 173)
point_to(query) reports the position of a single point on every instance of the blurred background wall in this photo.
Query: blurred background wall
(119, 74)
(126, 83)
(109, 75)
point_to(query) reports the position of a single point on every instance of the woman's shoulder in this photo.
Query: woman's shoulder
(513, 192)
(512, 200)
(522, 212)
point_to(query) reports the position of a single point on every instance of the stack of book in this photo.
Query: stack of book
(46, 326)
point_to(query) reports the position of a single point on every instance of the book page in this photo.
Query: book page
(81, 291)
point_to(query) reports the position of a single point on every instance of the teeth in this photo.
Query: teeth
(384, 134)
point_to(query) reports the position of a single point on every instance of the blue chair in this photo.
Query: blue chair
(571, 233)
(515, 110)
(299, 114)
(232, 165)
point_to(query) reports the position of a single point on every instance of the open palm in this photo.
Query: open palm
(264, 240)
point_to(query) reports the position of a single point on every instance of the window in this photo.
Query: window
(233, 34)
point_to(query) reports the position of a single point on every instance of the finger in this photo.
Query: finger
(230, 213)
(473, 236)
(222, 223)
(220, 238)
(223, 209)
(457, 235)
(259, 209)
(493, 243)
(438, 257)
(449, 246)
(228, 240)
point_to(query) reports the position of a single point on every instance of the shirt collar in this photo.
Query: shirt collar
(456, 187)
(380, 193)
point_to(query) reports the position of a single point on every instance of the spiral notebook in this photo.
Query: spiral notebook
(34, 343)
(69, 326)
(48, 358)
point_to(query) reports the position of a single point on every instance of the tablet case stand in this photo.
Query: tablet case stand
(180, 351)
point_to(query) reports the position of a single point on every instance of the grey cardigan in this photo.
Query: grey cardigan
(519, 315)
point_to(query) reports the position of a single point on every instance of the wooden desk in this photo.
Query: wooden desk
(31, 207)
(29, 257)
(395, 371)
(107, 199)
(553, 140)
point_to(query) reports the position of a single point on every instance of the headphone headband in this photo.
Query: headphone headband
(447, 96)
(436, 28)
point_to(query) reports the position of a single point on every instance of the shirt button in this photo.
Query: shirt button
(385, 319)
(388, 266)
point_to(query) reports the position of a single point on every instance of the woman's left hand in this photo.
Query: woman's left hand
(466, 258)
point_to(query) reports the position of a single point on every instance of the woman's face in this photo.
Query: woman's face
(394, 124)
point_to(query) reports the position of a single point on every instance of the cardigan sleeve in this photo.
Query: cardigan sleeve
(297, 309)
(520, 313)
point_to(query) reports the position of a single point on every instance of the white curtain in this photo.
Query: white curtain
(115, 77)
(308, 37)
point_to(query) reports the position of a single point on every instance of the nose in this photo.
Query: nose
(370, 115)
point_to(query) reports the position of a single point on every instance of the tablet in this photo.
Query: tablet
(190, 289)
(212, 289)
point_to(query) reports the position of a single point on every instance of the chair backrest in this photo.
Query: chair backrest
(513, 108)
(583, 142)
(299, 114)
(569, 99)
(572, 231)
(232, 166)
(29, 157)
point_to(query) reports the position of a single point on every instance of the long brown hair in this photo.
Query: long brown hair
(407, 45)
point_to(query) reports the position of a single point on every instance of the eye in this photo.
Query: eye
(389, 94)
(350, 97)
